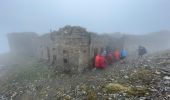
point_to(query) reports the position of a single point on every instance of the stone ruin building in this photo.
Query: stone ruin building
(71, 48)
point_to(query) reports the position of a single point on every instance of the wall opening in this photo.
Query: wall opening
(54, 49)
(54, 59)
(64, 51)
(65, 61)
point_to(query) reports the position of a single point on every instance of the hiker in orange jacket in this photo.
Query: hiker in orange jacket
(116, 55)
(97, 61)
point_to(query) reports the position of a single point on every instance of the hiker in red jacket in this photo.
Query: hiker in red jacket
(116, 55)
(100, 62)
(97, 61)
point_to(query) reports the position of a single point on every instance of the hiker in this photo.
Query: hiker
(100, 61)
(97, 61)
(141, 51)
(103, 62)
(109, 58)
(123, 55)
(104, 53)
(116, 55)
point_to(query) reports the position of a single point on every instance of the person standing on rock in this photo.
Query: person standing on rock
(123, 55)
(141, 51)
(116, 55)
(109, 58)
(97, 61)
(100, 61)
(104, 53)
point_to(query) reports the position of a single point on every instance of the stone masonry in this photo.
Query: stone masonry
(72, 48)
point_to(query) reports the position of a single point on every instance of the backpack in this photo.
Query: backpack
(123, 54)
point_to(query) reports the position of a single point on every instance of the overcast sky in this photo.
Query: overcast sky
(128, 16)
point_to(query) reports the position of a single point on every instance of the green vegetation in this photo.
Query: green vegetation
(115, 87)
(90, 92)
(131, 91)
(143, 76)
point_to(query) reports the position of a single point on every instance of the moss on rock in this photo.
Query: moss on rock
(131, 91)
(115, 87)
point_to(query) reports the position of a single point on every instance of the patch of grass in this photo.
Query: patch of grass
(138, 91)
(115, 88)
(91, 93)
(131, 91)
(144, 76)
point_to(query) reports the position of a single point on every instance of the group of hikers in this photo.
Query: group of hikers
(107, 56)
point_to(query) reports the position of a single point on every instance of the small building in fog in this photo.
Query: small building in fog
(71, 48)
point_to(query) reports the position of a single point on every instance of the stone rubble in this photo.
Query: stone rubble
(139, 79)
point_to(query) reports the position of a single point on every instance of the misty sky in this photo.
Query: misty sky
(128, 16)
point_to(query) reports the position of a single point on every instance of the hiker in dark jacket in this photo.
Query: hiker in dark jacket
(141, 51)
(109, 58)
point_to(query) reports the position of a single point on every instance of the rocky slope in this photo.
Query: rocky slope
(137, 79)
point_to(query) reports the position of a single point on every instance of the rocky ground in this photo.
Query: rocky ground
(146, 78)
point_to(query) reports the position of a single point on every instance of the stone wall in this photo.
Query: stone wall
(74, 48)
(71, 48)
(45, 47)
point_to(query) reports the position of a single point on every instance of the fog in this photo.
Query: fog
(84, 50)
(104, 16)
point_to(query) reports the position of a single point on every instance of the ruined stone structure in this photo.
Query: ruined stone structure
(71, 48)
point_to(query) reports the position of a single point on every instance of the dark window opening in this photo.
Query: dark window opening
(84, 51)
(54, 57)
(65, 61)
(95, 51)
(54, 49)
(64, 51)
